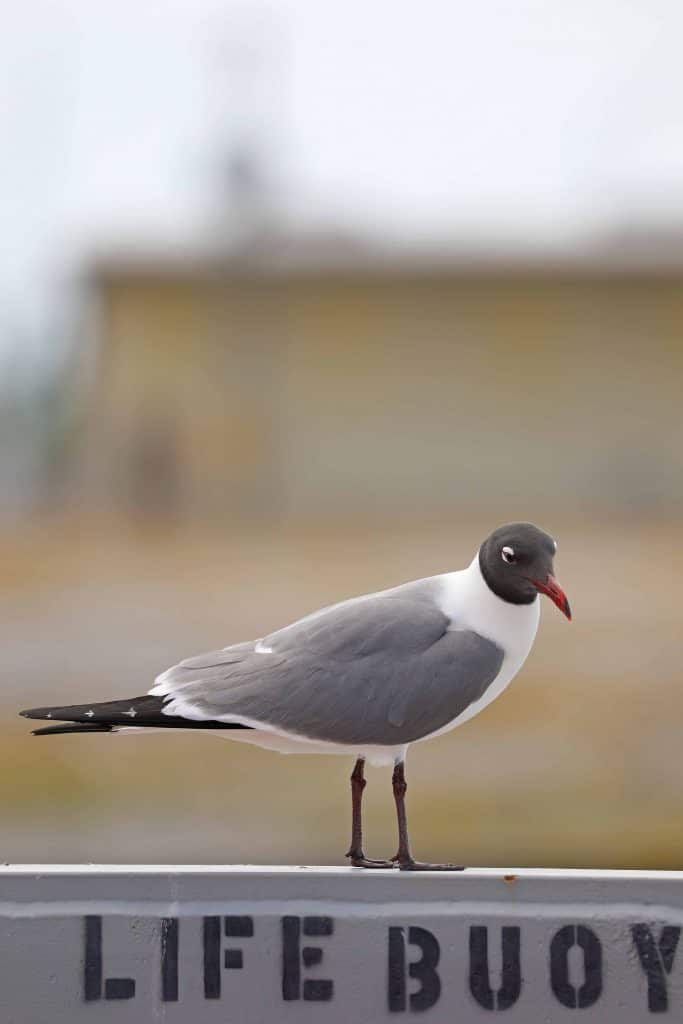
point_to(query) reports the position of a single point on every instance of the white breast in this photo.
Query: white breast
(470, 604)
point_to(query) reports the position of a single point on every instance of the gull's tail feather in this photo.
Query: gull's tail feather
(53, 730)
(136, 712)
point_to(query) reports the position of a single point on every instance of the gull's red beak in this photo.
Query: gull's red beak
(552, 589)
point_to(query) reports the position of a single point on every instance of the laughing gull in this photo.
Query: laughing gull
(366, 677)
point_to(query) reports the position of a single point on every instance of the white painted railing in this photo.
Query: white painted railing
(252, 945)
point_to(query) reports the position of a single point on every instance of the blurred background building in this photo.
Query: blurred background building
(314, 378)
(283, 322)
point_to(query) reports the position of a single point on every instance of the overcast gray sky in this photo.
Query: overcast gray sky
(524, 121)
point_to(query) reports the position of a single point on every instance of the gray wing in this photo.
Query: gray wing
(383, 669)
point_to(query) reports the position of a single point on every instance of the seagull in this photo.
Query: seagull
(366, 677)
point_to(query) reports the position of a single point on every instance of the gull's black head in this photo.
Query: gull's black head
(517, 563)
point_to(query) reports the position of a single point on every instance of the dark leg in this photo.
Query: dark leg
(355, 854)
(404, 857)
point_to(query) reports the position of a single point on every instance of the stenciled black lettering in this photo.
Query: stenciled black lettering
(316, 990)
(114, 988)
(313, 989)
(233, 959)
(211, 942)
(237, 928)
(119, 988)
(480, 974)
(169, 959)
(657, 960)
(291, 958)
(396, 979)
(422, 970)
(92, 975)
(565, 992)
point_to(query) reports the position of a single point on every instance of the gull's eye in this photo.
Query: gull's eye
(508, 555)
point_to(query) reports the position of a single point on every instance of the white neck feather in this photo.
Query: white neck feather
(471, 604)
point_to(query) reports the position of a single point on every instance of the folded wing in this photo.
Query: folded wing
(384, 669)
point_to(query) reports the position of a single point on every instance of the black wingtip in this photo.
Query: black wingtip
(53, 730)
(37, 713)
(135, 712)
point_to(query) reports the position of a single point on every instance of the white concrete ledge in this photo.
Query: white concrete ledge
(253, 944)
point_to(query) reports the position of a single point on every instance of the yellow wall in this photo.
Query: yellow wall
(342, 394)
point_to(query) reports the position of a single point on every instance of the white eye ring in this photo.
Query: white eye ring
(508, 555)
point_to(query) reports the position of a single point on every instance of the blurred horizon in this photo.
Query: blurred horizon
(392, 125)
(366, 129)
